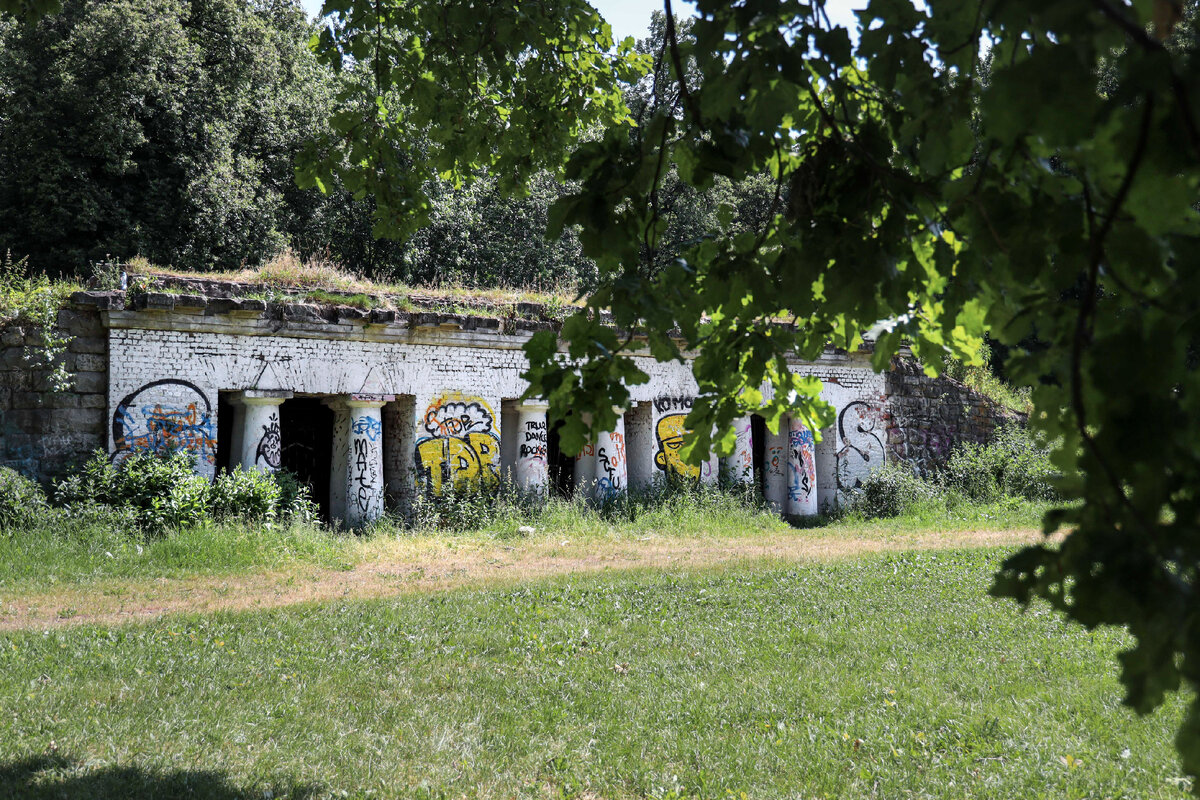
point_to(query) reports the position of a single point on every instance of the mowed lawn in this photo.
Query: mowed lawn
(880, 676)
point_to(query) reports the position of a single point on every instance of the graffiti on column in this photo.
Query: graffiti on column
(861, 449)
(533, 443)
(268, 451)
(670, 432)
(610, 465)
(743, 460)
(367, 426)
(166, 416)
(802, 470)
(777, 461)
(365, 476)
(460, 449)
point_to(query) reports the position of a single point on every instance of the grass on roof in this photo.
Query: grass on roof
(286, 270)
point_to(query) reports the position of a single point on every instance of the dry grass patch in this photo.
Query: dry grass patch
(390, 567)
(318, 273)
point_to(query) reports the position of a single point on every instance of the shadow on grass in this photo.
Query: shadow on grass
(55, 776)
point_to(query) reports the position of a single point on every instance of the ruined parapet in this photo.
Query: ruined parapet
(43, 426)
(926, 418)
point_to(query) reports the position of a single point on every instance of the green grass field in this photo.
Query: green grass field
(885, 676)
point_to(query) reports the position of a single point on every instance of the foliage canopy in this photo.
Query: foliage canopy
(1027, 169)
(156, 127)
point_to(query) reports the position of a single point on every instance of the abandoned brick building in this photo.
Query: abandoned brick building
(370, 406)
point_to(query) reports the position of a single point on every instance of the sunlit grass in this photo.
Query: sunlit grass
(884, 676)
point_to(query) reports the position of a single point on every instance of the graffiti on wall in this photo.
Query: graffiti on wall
(268, 452)
(861, 449)
(165, 416)
(610, 465)
(669, 403)
(777, 461)
(460, 448)
(669, 433)
(364, 474)
(533, 441)
(802, 469)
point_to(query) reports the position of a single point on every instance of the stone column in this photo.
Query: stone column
(738, 466)
(802, 470)
(356, 474)
(259, 445)
(364, 473)
(775, 467)
(585, 466)
(612, 469)
(710, 468)
(531, 470)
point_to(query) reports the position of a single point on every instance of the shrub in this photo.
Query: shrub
(161, 490)
(295, 499)
(1012, 464)
(892, 491)
(22, 501)
(247, 494)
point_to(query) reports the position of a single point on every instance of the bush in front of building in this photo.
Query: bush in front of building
(162, 492)
(1011, 467)
(22, 501)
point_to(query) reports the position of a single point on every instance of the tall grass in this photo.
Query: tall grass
(1013, 473)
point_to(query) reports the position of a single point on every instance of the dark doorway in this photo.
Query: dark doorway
(758, 429)
(560, 465)
(225, 414)
(306, 431)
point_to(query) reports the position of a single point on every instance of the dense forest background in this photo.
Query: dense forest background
(169, 129)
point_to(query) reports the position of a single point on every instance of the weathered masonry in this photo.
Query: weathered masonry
(370, 407)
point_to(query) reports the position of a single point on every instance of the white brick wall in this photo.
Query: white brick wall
(165, 383)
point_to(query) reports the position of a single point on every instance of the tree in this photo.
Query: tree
(961, 170)
(159, 127)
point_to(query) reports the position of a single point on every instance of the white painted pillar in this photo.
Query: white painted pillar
(640, 446)
(585, 466)
(364, 473)
(802, 471)
(775, 468)
(259, 443)
(532, 472)
(738, 466)
(339, 464)
(612, 466)
(710, 468)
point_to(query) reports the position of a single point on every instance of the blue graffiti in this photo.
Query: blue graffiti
(367, 426)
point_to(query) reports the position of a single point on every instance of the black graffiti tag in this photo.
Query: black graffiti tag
(861, 446)
(269, 449)
(365, 475)
(678, 403)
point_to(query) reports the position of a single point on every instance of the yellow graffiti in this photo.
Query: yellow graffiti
(669, 432)
(460, 449)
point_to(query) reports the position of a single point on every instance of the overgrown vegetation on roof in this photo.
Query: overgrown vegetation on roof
(319, 279)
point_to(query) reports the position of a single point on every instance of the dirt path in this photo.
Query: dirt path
(438, 569)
